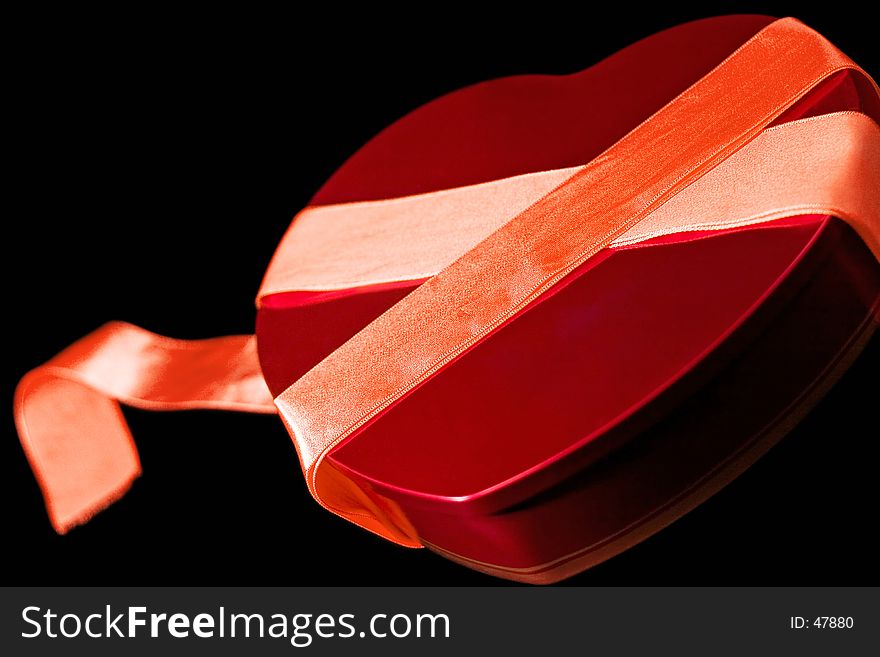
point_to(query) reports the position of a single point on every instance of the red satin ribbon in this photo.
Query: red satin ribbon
(509, 242)
(349, 245)
(70, 423)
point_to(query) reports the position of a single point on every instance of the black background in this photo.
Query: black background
(186, 144)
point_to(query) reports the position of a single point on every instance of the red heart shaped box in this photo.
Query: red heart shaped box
(631, 393)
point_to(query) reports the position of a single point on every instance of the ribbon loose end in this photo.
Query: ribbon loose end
(83, 461)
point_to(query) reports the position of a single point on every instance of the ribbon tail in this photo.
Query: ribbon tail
(70, 422)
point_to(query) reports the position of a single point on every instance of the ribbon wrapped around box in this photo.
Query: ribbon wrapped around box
(539, 318)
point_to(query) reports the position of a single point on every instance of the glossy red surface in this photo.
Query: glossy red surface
(559, 377)
(744, 392)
